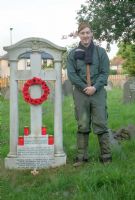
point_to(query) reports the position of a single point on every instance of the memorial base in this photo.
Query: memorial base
(26, 163)
(35, 153)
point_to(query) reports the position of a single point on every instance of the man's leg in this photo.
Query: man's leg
(83, 120)
(82, 148)
(105, 150)
(99, 123)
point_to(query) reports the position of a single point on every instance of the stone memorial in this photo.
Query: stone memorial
(109, 86)
(129, 90)
(35, 149)
(67, 88)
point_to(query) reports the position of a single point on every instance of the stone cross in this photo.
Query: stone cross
(35, 45)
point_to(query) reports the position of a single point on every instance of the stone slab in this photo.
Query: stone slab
(132, 86)
(129, 90)
(26, 163)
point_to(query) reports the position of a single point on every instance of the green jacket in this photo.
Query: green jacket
(99, 69)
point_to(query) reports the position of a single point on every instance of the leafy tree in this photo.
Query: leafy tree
(117, 60)
(112, 20)
(127, 51)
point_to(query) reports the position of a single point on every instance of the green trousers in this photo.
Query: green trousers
(91, 113)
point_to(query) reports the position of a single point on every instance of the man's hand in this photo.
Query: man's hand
(90, 90)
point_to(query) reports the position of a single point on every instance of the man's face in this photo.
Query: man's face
(85, 36)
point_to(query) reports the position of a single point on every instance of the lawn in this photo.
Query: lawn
(92, 181)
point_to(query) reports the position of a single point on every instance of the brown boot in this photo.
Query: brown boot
(106, 160)
(78, 162)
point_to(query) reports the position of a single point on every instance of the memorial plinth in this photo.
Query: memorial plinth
(35, 153)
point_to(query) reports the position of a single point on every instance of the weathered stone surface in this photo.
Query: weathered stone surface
(122, 134)
(131, 130)
(125, 133)
(129, 91)
(67, 88)
(5, 92)
(109, 86)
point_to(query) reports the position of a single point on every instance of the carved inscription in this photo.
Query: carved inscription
(34, 163)
(28, 140)
(35, 151)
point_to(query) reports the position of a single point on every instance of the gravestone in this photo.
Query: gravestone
(67, 88)
(109, 85)
(35, 150)
(129, 90)
(5, 92)
(125, 133)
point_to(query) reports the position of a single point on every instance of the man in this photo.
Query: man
(88, 70)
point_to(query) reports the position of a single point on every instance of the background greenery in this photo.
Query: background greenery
(127, 51)
(92, 181)
(110, 20)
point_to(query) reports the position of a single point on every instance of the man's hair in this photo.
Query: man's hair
(83, 25)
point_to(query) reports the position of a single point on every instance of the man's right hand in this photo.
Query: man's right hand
(90, 90)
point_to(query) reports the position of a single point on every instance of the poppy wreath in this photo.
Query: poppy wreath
(26, 94)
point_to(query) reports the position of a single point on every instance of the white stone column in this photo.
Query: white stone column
(36, 111)
(14, 122)
(58, 136)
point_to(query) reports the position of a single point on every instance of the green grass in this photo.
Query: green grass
(92, 181)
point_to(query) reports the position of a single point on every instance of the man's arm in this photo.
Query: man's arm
(104, 71)
(72, 74)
